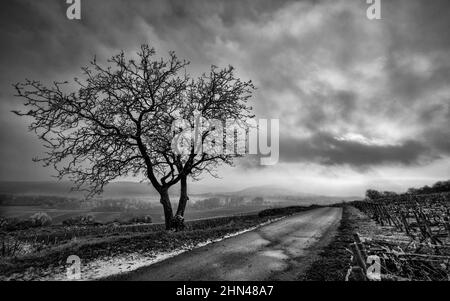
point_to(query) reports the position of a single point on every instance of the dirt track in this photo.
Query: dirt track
(279, 251)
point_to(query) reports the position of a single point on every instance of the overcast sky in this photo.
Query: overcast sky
(361, 103)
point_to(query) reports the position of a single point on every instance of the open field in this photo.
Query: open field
(156, 213)
(111, 223)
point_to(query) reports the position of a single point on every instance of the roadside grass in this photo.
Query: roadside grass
(334, 260)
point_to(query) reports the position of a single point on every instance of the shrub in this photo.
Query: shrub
(40, 219)
(80, 220)
(4, 222)
(13, 224)
(147, 219)
(285, 210)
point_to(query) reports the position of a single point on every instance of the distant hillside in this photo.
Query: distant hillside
(272, 191)
(278, 192)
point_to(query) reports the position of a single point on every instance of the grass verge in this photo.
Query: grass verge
(334, 260)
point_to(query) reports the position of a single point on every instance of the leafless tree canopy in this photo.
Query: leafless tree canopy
(116, 121)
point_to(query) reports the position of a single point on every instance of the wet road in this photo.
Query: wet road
(278, 251)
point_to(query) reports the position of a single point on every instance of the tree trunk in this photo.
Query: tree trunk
(179, 217)
(183, 196)
(168, 213)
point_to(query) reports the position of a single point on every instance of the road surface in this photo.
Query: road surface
(278, 251)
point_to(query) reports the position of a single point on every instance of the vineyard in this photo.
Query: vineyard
(415, 241)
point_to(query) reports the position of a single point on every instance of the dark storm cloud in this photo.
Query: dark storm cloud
(326, 149)
(321, 67)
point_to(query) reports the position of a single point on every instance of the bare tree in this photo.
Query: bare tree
(118, 122)
(114, 123)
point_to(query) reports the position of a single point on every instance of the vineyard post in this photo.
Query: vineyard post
(360, 245)
(405, 224)
(357, 257)
(447, 225)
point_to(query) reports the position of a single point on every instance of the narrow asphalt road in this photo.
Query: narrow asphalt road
(278, 251)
